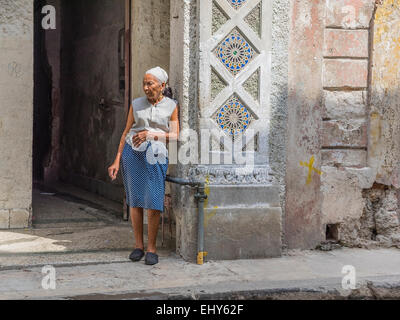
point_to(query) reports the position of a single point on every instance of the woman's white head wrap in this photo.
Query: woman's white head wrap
(159, 73)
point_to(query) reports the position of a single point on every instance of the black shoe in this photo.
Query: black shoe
(151, 258)
(136, 255)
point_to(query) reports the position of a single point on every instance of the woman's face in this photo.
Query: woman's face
(152, 87)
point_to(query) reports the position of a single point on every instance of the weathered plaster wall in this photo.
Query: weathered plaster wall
(16, 112)
(279, 98)
(89, 74)
(150, 39)
(183, 81)
(303, 228)
(384, 148)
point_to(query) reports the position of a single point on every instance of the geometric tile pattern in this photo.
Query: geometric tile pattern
(234, 117)
(236, 4)
(235, 52)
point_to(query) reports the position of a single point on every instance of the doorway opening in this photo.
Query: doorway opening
(85, 80)
(81, 98)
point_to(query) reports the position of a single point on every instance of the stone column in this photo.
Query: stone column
(16, 112)
(222, 75)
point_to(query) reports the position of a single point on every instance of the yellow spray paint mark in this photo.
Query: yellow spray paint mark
(208, 214)
(311, 168)
(201, 256)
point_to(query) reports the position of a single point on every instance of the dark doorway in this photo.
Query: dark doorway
(80, 98)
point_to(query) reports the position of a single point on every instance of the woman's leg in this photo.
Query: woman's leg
(137, 224)
(153, 218)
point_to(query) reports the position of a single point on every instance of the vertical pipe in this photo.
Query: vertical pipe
(200, 231)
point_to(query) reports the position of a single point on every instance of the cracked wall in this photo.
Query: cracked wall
(360, 182)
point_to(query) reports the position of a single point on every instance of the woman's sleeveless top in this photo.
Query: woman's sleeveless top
(150, 117)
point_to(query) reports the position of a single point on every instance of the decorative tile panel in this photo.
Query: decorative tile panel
(234, 117)
(235, 75)
(235, 52)
(236, 4)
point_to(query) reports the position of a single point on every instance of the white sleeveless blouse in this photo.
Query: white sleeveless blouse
(150, 117)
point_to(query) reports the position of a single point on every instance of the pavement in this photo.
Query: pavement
(82, 254)
(299, 275)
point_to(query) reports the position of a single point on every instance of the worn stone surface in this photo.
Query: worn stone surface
(344, 133)
(217, 85)
(252, 85)
(219, 18)
(343, 73)
(344, 158)
(243, 233)
(4, 219)
(337, 183)
(344, 104)
(384, 142)
(346, 43)
(349, 14)
(16, 17)
(183, 80)
(279, 97)
(298, 275)
(379, 223)
(16, 106)
(254, 19)
(19, 219)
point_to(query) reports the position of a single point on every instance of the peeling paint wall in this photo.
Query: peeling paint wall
(384, 148)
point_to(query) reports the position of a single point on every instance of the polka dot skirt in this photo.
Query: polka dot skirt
(144, 178)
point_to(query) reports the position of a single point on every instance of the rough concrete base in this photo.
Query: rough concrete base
(244, 233)
(240, 222)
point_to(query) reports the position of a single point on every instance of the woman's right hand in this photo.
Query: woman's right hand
(113, 171)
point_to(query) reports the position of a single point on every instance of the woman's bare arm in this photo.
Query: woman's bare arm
(129, 123)
(114, 168)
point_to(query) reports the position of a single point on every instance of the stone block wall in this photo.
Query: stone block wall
(16, 112)
(358, 184)
(344, 136)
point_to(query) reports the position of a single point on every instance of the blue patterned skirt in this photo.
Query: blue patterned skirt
(144, 178)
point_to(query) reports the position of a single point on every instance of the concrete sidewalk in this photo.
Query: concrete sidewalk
(88, 246)
(298, 275)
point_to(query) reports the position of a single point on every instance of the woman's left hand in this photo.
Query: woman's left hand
(139, 138)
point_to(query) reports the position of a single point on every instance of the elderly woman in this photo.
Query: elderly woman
(144, 159)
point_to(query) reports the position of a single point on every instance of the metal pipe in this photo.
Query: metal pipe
(200, 197)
